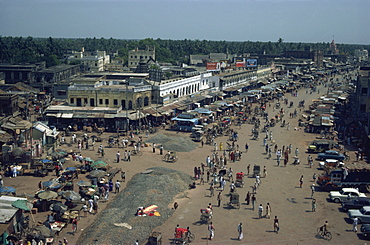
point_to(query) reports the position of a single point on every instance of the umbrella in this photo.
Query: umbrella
(51, 184)
(88, 159)
(7, 189)
(73, 169)
(58, 207)
(47, 195)
(99, 164)
(98, 173)
(70, 195)
(22, 204)
(83, 183)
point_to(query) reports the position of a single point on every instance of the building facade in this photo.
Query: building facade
(15, 73)
(363, 93)
(110, 91)
(94, 61)
(134, 56)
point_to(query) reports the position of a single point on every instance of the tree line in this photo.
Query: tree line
(51, 50)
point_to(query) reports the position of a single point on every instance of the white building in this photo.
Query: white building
(95, 61)
(183, 87)
(361, 54)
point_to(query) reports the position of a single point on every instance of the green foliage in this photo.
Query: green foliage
(51, 50)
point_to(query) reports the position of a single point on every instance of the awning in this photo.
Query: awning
(67, 115)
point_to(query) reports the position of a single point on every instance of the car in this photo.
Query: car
(346, 194)
(331, 155)
(356, 204)
(365, 230)
(362, 214)
(331, 163)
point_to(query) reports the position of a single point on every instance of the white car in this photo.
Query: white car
(362, 214)
(331, 163)
(345, 194)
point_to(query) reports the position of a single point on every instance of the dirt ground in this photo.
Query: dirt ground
(280, 188)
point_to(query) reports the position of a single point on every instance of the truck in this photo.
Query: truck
(337, 178)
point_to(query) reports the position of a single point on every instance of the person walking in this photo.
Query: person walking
(129, 156)
(313, 204)
(219, 198)
(211, 230)
(312, 190)
(154, 147)
(117, 185)
(276, 225)
(246, 147)
(248, 169)
(240, 231)
(118, 156)
(260, 211)
(212, 190)
(248, 198)
(264, 171)
(268, 211)
(74, 226)
(355, 222)
(301, 181)
(314, 176)
(254, 199)
(91, 205)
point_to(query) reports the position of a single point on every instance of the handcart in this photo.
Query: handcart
(239, 182)
(234, 200)
(183, 236)
(205, 215)
(256, 170)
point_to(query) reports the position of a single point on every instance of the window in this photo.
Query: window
(85, 101)
(115, 102)
(72, 100)
(107, 101)
(100, 101)
(363, 108)
(364, 91)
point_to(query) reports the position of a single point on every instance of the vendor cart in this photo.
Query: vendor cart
(239, 182)
(234, 200)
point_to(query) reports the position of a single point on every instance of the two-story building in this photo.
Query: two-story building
(94, 61)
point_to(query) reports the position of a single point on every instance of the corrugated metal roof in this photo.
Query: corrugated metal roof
(7, 211)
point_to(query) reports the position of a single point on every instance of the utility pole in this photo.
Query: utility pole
(126, 105)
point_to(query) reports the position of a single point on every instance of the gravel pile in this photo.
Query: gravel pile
(172, 142)
(157, 188)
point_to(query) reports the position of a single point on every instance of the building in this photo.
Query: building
(134, 56)
(317, 56)
(15, 73)
(361, 55)
(178, 88)
(93, 61)
(8, 103)
(11, 218)
(111, 90)
(363, 94)
(45, 78)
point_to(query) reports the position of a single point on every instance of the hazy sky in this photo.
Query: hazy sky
(232, 20)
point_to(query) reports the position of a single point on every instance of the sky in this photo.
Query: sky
(230, 20)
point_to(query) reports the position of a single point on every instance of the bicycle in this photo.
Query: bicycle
(324, 234)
